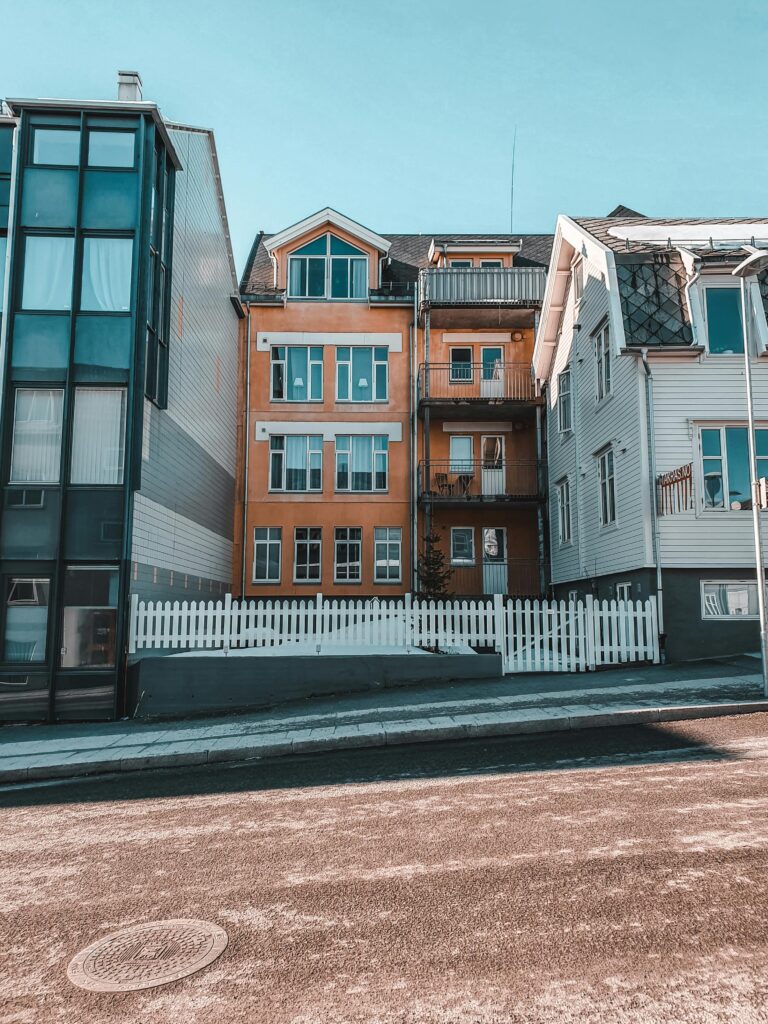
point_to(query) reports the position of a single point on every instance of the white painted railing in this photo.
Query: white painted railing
(531, 636)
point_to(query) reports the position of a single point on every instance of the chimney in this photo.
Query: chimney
(129, 86)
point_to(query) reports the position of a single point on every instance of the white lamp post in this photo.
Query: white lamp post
(746, 270)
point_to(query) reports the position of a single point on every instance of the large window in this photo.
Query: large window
(564, 510)
(729, 599)
(110, 149)
(361, 374)
(725, 466)
(36, 436)
(347, 554)
(90, 617)
(462, 545)
(725, 332)
(48, 265)
(564, 401)
(605, 470)
(362, 462)
(603, 362)
(107, 275)
(296, 462)
(59, 147)
(461, 365)
(98, 436)
(387, 554)
(297, 374)
(267, 554)
(26, 619)
(328, 267)
(307, 555)
(460, 448)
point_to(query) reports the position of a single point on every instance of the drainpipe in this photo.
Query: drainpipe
(540, 477)
(414, 438)
(654, 510)
(247, 438)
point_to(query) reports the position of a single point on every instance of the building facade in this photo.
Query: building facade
(640, 352)
(118, 399)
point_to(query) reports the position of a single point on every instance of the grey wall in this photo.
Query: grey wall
(688, 635)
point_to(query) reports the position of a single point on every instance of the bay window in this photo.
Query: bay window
(328, 267)
(362, 462)
(725, 466)
(296, 462)
(98, 436)
(347, 554)
(307, 554)
(387, 556)
(36, 442)
(361, 374)
(48, 268)
(296, 373)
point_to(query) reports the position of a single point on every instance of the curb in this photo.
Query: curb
(389, 734)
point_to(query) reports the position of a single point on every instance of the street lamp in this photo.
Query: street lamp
(746, 270)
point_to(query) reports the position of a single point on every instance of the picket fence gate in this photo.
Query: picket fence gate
(531, 635)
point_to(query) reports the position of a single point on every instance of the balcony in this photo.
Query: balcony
(485, 384)
(518, 577)
(488, 482)
(480, 286)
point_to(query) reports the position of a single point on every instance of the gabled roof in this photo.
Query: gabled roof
(624, 211)
(335, 219)
(648, 233)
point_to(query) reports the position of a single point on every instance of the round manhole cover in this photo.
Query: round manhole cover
(147, 955)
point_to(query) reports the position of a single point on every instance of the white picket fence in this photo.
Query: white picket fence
(531, 636)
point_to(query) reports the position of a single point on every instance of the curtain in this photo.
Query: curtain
(296, 462)
(362, 374)
(296, 373)
(359, 278)
(107, 274)
(98, 436)
(362, 463)
(48, 263)
(37, 436)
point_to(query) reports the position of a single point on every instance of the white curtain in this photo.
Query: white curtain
(36, 436)
(48, 263)
(359, 278)
(296, 462)
(107, 274)
(362, 463)
(98, 436)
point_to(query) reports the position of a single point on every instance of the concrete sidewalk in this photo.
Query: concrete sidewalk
(512, 705)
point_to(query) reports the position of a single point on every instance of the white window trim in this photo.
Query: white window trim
(310, 363)
(471, 460)
(268, 542)
(492, 264)
(307, 542)
(701, 507)
(326, 296)
(603, 358)
(624, 585)
(374, 363)
(307, 453)
(464, 561)
(600, 456)
(461, 380)
(459, 263)
(577, 272)
(374, 453)
(726, 618)
(399, 542)
(719, 281)
(564, 484)
(358, 562)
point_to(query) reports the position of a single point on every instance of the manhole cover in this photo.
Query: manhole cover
(147, 955)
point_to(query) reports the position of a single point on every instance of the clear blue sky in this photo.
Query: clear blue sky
(401, 113)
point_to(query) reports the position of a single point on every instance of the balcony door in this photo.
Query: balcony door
(494, 560)
(492, 462)
(492, 372)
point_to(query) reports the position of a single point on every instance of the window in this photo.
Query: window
(361, 374)
(296, 462)
(90, 617)
(460, 264)
(106, 274)
(362, 462)
(462, 545)
(267, 553)
(110, 149)
(307, 554)
(623, 591)
(729, 599)
(328, 267)
(577, 276)
(348, 554)
(57, 146)
(725, 332)
(461, 365)
(491, 264)
(564, 510)
(36, 445)
(98, 436)
(48, 266)
(26, 619)
(603, 362)
(297, 374)
(460, 449)
(387, 557)
(607, 488)
(725, 466)
(3, 247)
(158, 305)
(564, 401)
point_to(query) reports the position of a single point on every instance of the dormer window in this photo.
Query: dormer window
(722, 310)
(328, 268)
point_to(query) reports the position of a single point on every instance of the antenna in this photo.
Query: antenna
(512, 185)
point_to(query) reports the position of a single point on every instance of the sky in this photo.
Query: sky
(401, 113)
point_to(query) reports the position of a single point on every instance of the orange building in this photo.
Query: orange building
(385, 394)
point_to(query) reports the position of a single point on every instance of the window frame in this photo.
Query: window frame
(564, 402)
(71, 128)
(492, 264)
(8, 579)
(722, 428)
(727, 583)
(462, 264)
(564, 512)
(100, 130)
(459, 465)
(268, 541)
(308, 543)
(37, 483)
(603, 363)
(308, 467)
(328, 257)
(387, 541)
(74, 287)
(275, 361)
(625, 587)
(452, 378)
(376, 364)
(472, 559)
(337, 540)
(716, 283)
(604, 491)
(119, 469)
(577, 276)
(377, 455)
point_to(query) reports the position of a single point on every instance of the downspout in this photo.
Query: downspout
(654, 509)
(247, 439)
(414, 439)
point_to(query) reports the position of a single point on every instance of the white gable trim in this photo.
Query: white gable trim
(319, 220)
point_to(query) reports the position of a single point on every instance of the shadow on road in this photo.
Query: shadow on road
(643, 744)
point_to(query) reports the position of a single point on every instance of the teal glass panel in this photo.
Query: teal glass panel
(362, 374)
(49, 198)
(5, 199)
(761, 443)
(316, 278)
(6, 149)
(110, 200)
(724, 328)
(40, 344)
(94, 523)
(317, 247)
(297, 375)
(48, 268)
(3, 248)
(340, 279)
(710, 442)
(103, 348)
(59, 146)
(738, 467)
(107, 274)
(111, 149)
(359, 276)
(30, 526)
(341, 248)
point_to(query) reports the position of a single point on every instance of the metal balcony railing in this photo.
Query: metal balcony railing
(462, 480)
(518, 577)
(519, 286)
(477, 382)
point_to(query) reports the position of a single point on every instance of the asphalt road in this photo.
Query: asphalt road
(617, 876)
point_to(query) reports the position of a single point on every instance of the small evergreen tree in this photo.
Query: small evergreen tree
(434, 573)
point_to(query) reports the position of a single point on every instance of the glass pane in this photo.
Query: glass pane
(381, 382)
(342, 248)
(30, 524)
(461, 545)
(297, 375)
(492, 358)
(738, 468)
(710, 442)
(362, 468)
(761, 443)
(26, 619)
(110, 149)
(297, 278)
(273, 562)
(98, 436)
(56, 146)
(713, 483)
(278, 380)
(461, 454)
(359, 269)
(3, 248)
(340, 279)
(93, 528)
(40, 343)
(48, 265)
(103, 347)
(49, 198)
(316, 278)
(107, 274)
(461, 364)
(317, 247)
(90, 618)
(724, 320)
(36, 436)
(316, 381)
(110, 200)
(362, 374)
(296, 463)
(729, 599)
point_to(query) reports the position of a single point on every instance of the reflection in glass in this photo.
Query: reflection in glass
(110, 149)
(26, 619)
(36, 435)
(59, 146)
(90, 618)
(48, 272)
